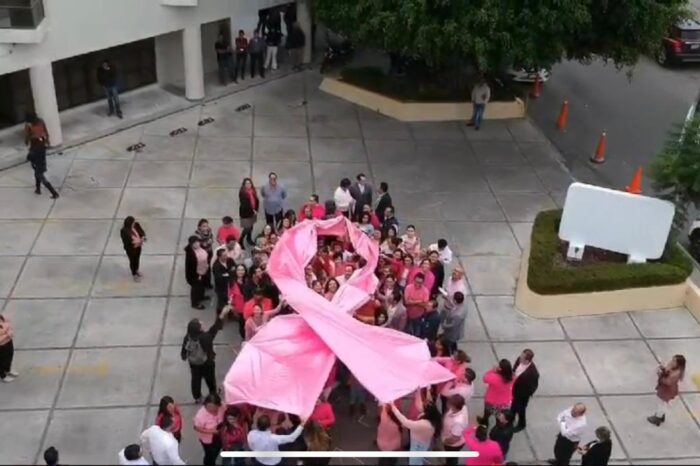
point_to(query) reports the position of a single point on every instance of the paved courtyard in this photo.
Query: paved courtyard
(96, 351)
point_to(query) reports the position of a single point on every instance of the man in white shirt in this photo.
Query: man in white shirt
(462, 386)
(444, 250)
(161, 443)
(456, 283)
(261, 439)
(131, 455)
(454, 423)
(572, 423)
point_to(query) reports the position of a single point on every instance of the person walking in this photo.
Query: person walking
(168, 407)
(454, 423)
(224, 60)
(383, 200)
(527, 378)
(502, 432)
(361, 192)
(241, 44)
(232, 432)
(131, 456)
(422, 430)
(262, 439)
(206, 425)
(272, 40)
(248, 205)
(296, 40)
(198, 350)
(481, 95)
(572, 424)
(499, 390)
(452, 318)
(477, 440)
(196, 268)
(274, 196)
(388, 434)
(598, 451)
(7, 350)
(107, 78)
(133, 237)
(668, 378)
(256, 50)
(159, 441)
(36, 137)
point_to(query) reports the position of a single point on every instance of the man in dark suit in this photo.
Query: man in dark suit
(526, 381)
(361, 191)
(383, 200)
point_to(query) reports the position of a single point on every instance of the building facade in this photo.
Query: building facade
(50, 49)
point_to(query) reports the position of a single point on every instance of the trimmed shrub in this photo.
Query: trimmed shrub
(546, 275)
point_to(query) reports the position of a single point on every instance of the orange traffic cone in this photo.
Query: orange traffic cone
(536, 86)
(563, 116)
(636, 186)
(599, 156)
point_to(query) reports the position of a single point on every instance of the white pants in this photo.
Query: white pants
(271, 57)
(661, 407)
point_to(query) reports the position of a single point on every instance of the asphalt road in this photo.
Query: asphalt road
(637, 112)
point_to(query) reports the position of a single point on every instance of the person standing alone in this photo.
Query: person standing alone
(527, 378)
(669, 376)
(481, 94)
(36, 136)
(256, 49)
(133, 238)
(107, 78)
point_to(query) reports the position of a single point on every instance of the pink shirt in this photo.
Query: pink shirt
(388, 433)
(498, 392)
(202, 261)
(429, 280)
(412, 293)
(324, 415)
(205, 420)
(489, 450)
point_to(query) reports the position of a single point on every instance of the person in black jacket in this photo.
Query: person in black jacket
(36, 136)
(597, 452)
(198, 350)
(248, 210)
(107, 78)
(133, 238)
(296, 40)
(526, 381)
(196, 268)
(223, 274)
(361, 191)
(383, 200)
(502, 432)
(438, 272)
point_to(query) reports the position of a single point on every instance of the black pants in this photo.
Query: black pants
(452, 461)
(7, 353)
(206, 371)
(40, 179)
(274, 219)
(518, 408)
(257, 64)
(240, 65)
(134, 256)
(563, 450)
(211, 453)
(246, 234)
(387, 461)
(196, 292)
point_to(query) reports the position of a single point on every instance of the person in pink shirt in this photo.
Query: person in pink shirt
(323, 414)
(476, 439)
(499, 390)
(227, 229)
(257, 321)
(411, 241)
(416, 299)
(206, 423)
(388, 434)
(424, 268)
(312, 209)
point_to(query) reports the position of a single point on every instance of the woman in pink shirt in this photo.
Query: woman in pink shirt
(388, 433)
(411, 241)
(499, 390)
(425, 269)
(323, 414)
(331, 288)
(406, 270)
(196, 267)
(489, 450)
(254, 323)
(206, 423)
(235, 295)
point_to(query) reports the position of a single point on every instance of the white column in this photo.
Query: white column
(304, 20)
(45, 104)
(192, 58)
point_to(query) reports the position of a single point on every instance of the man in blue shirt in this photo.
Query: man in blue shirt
(274, 196)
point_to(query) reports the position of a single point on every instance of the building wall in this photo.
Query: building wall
(80, 26)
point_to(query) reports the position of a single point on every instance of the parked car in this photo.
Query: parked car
(682, 44)
(523, 75)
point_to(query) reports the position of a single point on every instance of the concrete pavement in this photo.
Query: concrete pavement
(97, 351)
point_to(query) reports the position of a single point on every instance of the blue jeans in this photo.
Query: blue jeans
(418, 446)
(415, 327)
(113, 99)
(478, 114)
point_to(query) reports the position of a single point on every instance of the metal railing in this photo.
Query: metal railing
(21, 14)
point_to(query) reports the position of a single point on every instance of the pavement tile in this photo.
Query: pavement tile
(421, 206)
(223, 148)
(152, 202)
(53, 322)
(334, 126)
(540, 154)
(17, 236)
(114, 278)
(602, 327)
(338, 150)
(471, 207)
(21, 449)
(524, 207)
(281, 149)
(384, 128)
(23, 177)
(56, 277)
(9, 269)
(39, 377)
(147, 174)
(439, 130)
(522, 231)
(504, 322)
(524, 131)
(167, 148)
(72, 237)
(665, 349)
(666, 323)
(97, 174)
(210, 174)
(211, 202)
(498, 153)
(179, 315)
(513, 179)
(490, 131)
(86, 203)
(280, 126)
(385, 151)
(492, 275)
(481, 238)
(122, 322)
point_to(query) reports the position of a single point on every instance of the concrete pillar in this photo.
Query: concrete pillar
(192, 59)
(45, 104)
(304, 20)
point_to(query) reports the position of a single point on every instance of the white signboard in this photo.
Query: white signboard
(615, 220)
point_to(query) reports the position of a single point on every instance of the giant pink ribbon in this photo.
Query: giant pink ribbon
(286, 365)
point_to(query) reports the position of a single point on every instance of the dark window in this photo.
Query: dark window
(690, 34)
(21, 14)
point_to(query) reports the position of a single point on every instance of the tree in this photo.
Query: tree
(494, 33)
(675, 173)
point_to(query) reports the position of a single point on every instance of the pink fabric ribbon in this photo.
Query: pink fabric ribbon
(286, 365)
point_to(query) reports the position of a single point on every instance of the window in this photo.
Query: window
(21, 14)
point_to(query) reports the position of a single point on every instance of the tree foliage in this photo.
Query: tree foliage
(492, 33)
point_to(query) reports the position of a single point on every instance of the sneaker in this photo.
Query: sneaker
(8, 378)
(13, 374)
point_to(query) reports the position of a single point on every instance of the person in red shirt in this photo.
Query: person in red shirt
(312, 209)
(168, 407)
(227, 229)
(417, 300)
(259, 299)
(373, 219)
(323, 414)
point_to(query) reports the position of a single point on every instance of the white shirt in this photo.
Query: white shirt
(522, 367)
(571, 427)
(259, 440)
(162, 445)
(343, 199)
(454, 286)
(463, 389)
(139, 462)
(445, 254)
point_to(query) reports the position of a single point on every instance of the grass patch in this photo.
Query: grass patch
(438, 88)
(548, 273)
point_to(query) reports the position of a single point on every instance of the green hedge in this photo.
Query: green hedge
(546, 276)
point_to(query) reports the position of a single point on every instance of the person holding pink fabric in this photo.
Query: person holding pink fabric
(388, 434)
(477, 440)
(206, 425)
(499, 390)
(254, 323)
(422, 430)
(323, 414)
